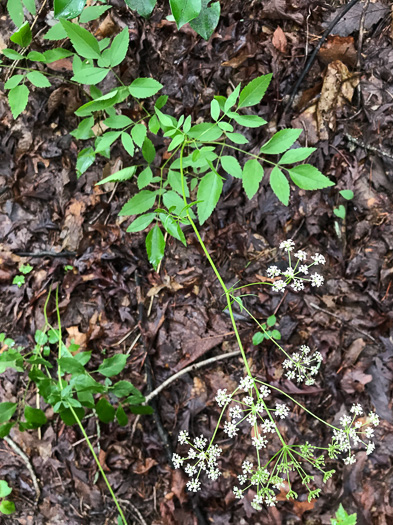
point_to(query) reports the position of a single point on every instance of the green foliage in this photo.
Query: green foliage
(258, 337)
(347, 194)
(343, 518)
(340, 212)
(199, 155)
(68, 386)
(6, 507)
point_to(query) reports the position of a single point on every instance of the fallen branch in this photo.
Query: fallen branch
(29, 467)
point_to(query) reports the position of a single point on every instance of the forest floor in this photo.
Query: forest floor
(345, 105)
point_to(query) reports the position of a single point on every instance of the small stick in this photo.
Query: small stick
(190, 368)
(170, 380)
(29, 467)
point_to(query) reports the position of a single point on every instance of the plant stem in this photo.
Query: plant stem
(98, 464)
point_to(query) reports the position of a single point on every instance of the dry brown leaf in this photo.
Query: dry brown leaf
(337, 90)
(143, 467)
(279, 40)
(338, 48)
(75, 335)
(72, 231)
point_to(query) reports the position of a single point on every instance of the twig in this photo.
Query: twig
(342, 322)
(45, 253)
(134, 509)
(361, 34)
(313, 56)
(29, 467)
(190, 368)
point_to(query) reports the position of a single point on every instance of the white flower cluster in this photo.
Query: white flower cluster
(303, 365)
(354, 432)
(202, 457)
(251, 409)
(294, 275)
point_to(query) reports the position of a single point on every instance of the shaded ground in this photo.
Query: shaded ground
(45, 208)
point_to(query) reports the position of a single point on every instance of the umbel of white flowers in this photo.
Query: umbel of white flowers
(248, 405)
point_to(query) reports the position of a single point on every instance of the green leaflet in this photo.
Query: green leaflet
(209, 191)
(155, 246)
(17, 99)
(308, 177)
(280, 185)
(206, 22)
(145, 177)
(185, 10)
(85, 44)
(231, 165)
(281, 141)
(23, 36)
(141, 223)
(105, 411)
(113, 365)
(252, 177)
(121, 175)
(253, 93)
(15, 10)
(296, 155)
(139, 203)
(142, 7)
(92, 13)
(68, 8)
(38, 79)
(144, 87)
(347, 194)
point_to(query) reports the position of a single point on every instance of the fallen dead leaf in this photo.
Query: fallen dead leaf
(279, 40)
(338, 48)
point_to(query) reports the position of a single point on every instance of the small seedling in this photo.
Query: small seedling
(343, 518)
(6, 506)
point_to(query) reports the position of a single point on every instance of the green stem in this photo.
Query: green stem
(98, 464)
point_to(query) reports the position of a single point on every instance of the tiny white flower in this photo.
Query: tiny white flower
(370, 448)
(264, 391)
(259, 442)
(350, 460)
(247, 467)
(273, 271)
(246, 383)
(369, 432)
(302, 256)
(303, 269)
(270, 500)
(177, 460)
(297, 285)
(183, 436)
(230, 429)
(356, 409)
(287, 245)
(242, 479)
(238, 493)
(193, 485)
(222, 397)
(190, 470)
(305, 349)
(192, 453)
(373, 419)
(289, 272)
(268, 427)
(235, 412)
(345, 421)
(248, 400)
(279, 286)
(200, 442)
(316, 280)
(252, 419)
(318, 258)
(213, 474)
(281, 410)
